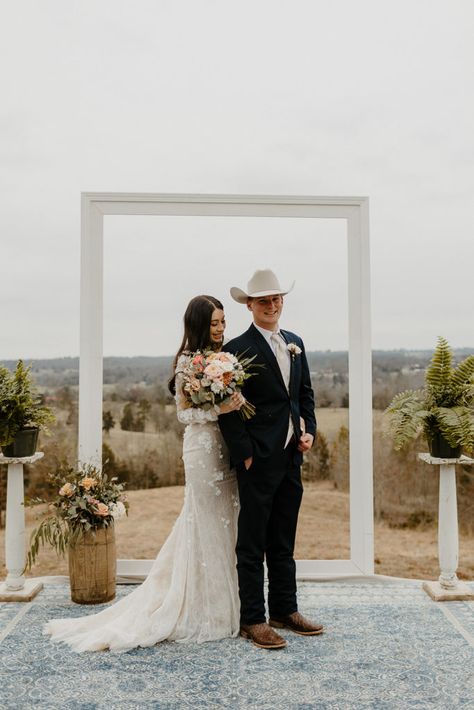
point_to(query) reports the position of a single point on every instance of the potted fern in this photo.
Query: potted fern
(85, 506)
(22, 414)
(443, 410)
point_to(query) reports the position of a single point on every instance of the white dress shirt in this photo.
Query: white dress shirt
(267, 334)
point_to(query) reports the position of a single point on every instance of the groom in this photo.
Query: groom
(267, 452)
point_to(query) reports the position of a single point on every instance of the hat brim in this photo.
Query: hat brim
(241, 297)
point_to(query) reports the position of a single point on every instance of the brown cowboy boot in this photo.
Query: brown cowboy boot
(297, 623)
(262, 635)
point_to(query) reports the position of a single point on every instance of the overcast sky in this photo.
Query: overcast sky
(263, 96)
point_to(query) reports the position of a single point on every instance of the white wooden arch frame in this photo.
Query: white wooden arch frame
(352, 209)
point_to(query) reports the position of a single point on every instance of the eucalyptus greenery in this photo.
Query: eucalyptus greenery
(445, 405)
(20, 404)
(86, 500)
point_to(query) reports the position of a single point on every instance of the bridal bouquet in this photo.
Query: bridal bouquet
(210, 378)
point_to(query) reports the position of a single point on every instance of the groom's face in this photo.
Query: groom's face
(266, 311)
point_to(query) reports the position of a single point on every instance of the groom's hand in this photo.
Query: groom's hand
(306, 442)
(248, 462)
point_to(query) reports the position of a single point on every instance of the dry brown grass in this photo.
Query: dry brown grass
(323, 533)
(330, 420)
(405, 491)
(127, 444)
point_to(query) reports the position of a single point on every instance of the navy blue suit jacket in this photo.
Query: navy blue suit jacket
(266, 431)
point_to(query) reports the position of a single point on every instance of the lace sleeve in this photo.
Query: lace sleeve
(185, 413)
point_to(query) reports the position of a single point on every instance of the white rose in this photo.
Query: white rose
(117, 510)
(294, 349)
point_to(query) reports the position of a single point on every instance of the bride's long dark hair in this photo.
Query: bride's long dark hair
(197, 325)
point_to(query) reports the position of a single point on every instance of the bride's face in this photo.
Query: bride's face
(217, 327)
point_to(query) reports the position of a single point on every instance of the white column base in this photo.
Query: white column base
(462, 592)
(26, 594)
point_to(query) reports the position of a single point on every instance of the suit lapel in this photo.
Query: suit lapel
(266, 351)
(292, 360)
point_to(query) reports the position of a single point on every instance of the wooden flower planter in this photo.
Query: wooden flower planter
(92, 567)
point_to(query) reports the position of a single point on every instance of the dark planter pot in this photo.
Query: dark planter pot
(440, 449)
(24, 444)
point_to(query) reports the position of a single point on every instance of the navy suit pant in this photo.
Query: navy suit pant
(270, 497)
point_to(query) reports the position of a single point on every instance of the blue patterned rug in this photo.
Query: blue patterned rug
(386, 646)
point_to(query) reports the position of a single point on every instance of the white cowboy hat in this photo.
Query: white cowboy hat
(263, 283)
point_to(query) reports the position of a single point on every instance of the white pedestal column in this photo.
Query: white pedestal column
(16, 587)
(15, 529)
(448, 541)
(448, 586)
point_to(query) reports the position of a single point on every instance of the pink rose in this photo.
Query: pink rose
(102, 509)
(67, 490)
(197, 363)
(213, 371)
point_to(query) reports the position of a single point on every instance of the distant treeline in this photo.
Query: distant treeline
(57, 372)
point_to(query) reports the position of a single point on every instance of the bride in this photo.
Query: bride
(191, 592)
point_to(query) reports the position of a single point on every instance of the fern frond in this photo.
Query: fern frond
(462, 396)
(405, 398)
(438, 372)
(462, 374)
(445, 405)
(406, 417)
(468, 394)
(457, 425)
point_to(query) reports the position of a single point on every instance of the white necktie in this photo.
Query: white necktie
(283, 358)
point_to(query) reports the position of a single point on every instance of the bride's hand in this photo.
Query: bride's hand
(234, 402)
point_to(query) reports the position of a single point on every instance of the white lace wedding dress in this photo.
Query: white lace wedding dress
(191, 592)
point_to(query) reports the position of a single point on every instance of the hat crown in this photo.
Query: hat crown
(263, 283)
(263, 280)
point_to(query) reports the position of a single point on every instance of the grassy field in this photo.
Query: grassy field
(133, 443)
(405, 497)
(323, 533)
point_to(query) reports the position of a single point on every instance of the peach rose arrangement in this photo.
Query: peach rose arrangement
(210, 378)
(86, 499)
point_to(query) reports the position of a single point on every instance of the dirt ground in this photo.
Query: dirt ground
(323, 533)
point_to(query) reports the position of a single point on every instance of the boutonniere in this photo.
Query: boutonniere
(294, 349)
